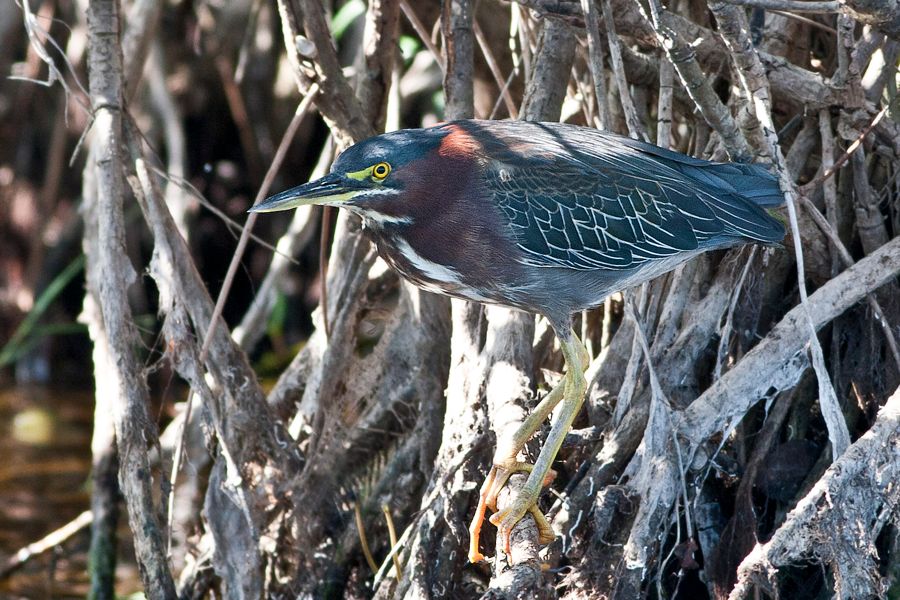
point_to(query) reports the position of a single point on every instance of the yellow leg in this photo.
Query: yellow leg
(505, 464)
(571, 392)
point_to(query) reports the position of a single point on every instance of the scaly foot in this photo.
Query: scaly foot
(525, 501)
(490, 489)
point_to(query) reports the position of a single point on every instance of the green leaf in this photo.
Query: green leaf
(409, 45)
(17, 343)
(344, 17)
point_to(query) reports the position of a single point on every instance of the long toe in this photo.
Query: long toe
(490, 489)
(545, 530)
(506, 519)
(487, 486)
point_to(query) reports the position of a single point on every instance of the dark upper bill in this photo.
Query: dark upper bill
(331, 189)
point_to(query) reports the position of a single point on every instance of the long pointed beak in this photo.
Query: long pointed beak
(332, 189)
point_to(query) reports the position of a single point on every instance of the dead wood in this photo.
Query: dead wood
(704, 423)
(838, 522)
(112, 275)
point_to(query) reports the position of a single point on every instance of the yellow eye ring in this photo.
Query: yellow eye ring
(381, 170)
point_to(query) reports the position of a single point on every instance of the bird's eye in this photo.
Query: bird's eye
(381, 170)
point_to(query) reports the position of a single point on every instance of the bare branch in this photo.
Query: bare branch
(840, 519)
(595, 62)
(112, 273)
(830, 6)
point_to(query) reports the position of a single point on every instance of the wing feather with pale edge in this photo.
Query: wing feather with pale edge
(621, 203)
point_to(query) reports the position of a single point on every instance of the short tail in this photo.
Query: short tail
(746, 193)
(753, 182)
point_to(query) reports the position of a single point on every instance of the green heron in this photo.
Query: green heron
(543, 217)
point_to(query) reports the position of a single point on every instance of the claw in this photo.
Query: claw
(506, 519)
(524, 502)
(487, 498)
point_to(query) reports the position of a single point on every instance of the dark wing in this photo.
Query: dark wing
(561, 219)
(614, 203)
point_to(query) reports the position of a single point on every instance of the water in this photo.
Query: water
(45, 460)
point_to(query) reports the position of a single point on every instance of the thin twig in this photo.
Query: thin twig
(829, 186)
(48, 542)
(420, 30)
(635, 127)
(527, 36)
(495, 70)
(728, 327)
(806, 20)
(239, 115)
(37, 37)
(655, 386)
(301, 111)
(575, 88)
(298, 234)
(247, 42)
(501, 96)
(848, 261)
(846, 155)
(230, 224)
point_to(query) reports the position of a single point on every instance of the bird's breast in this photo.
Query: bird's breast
(421, 270)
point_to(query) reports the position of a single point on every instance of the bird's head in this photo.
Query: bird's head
(372, 178)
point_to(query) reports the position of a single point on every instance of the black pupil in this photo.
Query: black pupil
(380, 171)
